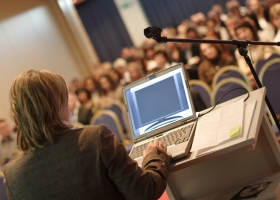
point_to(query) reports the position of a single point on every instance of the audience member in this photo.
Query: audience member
(85, 112)
(191, 50)
(231, 22)
(109, 90)
(64, 163)
(245, 31)
(8, 140)
(106, 67)
(115, 76)
(152, 67)
(120, 64)
(213, 57)
(75, 84)
(73, 105)
(91, 85)
(233, 8)
(257, 10)
(139, 57)
(135, 71)
(217, 8)
(162, 59)
(274, 14)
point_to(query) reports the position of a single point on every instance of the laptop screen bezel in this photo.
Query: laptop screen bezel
(169, 126)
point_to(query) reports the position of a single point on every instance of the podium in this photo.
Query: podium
(221, 174)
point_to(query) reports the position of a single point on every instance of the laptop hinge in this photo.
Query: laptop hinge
(140, 139)
(187, 121)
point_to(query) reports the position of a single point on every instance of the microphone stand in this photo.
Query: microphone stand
(242, 45)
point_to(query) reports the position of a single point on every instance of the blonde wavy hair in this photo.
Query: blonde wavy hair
(37, 100)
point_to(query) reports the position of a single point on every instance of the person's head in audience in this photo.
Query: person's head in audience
(162, 58)
(211, 24)
(211, 51)
(233, 8)
(182, 29)
(72, 101)
(214, 53)
(120, 64)
(213, 58)
(107, 84)
(106, 67)
(274, 15)
(213, 15)
(84, 96)
(192, 33)
(116, 76)
(253, 20)
(75, 84)
(126, 53)
(213, 34)
(139, 57)
(39, 102)
(135, 71)
(170, 31)
(254, 5)
(91, 84)
(218, 9)
(97, 71)
(152, 67)
(5, 130)
(231, 22)
(244, 30)
(148, 47)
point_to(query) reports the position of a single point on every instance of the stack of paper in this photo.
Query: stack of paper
(220, 125)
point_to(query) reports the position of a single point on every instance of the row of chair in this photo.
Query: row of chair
(229, 77)
(225, 80)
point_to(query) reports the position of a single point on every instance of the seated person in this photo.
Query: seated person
(214, 57)
(8, 139)
(85, 111)
(109, 90)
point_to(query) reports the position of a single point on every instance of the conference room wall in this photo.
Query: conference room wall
(34, 34)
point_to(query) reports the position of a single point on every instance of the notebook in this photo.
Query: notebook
(159, 106)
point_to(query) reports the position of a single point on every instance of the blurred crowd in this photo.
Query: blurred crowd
(257, 21)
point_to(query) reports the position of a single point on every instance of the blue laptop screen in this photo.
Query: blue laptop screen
(158, 102)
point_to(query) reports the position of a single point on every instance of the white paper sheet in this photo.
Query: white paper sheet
(213, 128)
(249, 109)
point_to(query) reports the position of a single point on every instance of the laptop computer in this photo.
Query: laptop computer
(159, 106)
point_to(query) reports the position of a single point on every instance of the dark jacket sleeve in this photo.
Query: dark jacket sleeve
(134, 182)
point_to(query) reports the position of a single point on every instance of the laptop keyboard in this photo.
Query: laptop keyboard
(173, 138)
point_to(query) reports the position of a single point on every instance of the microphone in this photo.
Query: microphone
(153, 32)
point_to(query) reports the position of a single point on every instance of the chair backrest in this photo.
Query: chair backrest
(225, 86)
(203, 89)
(110, 119)
(230, 71)
(261, 62)
(3, 194)
(9, 156)
(269, 75)
(118, 108)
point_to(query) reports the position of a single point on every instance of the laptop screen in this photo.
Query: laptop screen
(157, 102)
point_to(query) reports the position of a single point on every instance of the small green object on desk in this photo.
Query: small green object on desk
(234, 131)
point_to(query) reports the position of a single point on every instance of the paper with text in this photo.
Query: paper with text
(249, 109)
(213, 128)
